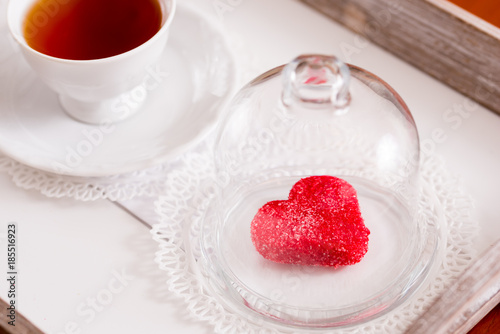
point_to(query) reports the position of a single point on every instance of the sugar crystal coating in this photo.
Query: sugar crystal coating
(320, 224)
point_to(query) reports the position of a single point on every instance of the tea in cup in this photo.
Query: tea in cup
(95, 54)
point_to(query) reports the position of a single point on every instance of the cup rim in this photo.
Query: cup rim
(22, 42)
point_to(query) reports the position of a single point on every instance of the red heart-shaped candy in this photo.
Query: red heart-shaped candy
(320, 224)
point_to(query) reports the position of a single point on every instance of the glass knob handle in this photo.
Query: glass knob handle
(317, 81)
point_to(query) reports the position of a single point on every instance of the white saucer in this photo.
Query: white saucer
(194, 79)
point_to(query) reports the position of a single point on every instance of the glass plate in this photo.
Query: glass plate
(316, 297)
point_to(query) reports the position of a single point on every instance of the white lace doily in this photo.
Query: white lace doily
(181, 209)
(148, 182)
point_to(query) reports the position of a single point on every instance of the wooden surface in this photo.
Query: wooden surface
(466, 301)
(22, 325)
(489, 324)
(438, 37)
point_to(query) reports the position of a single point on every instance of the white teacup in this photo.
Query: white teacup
(92, 91)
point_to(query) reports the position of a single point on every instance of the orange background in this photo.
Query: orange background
(488, 10)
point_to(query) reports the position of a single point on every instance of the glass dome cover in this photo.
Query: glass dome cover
(317, 116)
